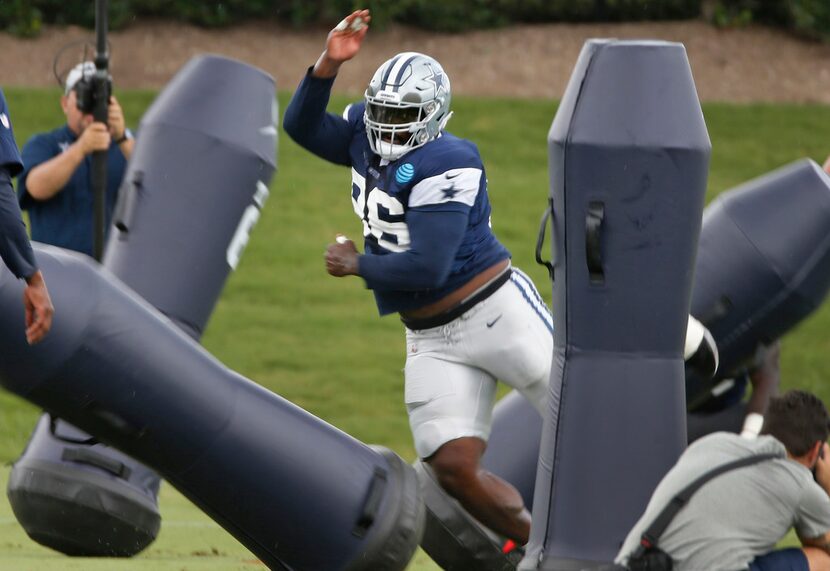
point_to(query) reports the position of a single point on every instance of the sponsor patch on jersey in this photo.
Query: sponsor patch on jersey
(4, 119)
(404, 173)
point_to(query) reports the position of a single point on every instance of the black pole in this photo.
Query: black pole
(101, 88)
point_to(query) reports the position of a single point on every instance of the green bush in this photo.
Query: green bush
(460, 15)
(451, 15)
(606, 10)
(25, 17)
(810, 18)
(211, 14)
(33, 13)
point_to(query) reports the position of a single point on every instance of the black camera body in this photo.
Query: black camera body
(85, 93)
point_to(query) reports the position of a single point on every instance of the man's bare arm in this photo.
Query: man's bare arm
(48, 178)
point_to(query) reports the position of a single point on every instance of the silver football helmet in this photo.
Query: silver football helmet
(407, 104)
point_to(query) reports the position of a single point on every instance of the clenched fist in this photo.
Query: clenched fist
(341, 258)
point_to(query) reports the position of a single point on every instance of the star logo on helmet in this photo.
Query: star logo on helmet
(436, 78)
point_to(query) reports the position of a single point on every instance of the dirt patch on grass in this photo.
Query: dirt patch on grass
(742, 65)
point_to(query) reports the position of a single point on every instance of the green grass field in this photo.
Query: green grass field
(317, 341)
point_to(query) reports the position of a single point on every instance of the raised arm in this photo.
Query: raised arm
(306, 120)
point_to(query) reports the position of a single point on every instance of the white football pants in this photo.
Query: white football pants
(451, 370)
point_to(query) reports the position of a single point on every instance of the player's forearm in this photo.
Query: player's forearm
(48, 178)
(326, 67)
(307, 108)
(405, 271)
(436, 237)
(307, 122)
(765, 378)
(762, 390)
(15, 249)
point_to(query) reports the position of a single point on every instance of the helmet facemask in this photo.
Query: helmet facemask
(405, 115)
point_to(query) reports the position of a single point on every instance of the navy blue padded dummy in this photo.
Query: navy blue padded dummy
(629, 156)
(297, 492)
(769, 290)
(775, 271)
(194, 187)
(81, 497)
(513, 447)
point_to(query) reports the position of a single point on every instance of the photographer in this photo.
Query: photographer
(735, 519)
(55, 185)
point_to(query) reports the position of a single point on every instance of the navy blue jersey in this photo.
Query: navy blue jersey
(66, 219)
(9, 155)
(426, 215)
(14, 244)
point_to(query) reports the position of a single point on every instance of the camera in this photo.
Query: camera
(85, 94)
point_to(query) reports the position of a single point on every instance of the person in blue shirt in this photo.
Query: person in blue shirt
(430, 255)
(56, 183)
(15, 249)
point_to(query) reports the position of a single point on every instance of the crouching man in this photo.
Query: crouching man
(734, 521)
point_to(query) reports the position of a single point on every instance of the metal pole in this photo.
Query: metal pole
(101, 88)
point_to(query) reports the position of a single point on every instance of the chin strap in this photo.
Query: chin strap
(444, 122)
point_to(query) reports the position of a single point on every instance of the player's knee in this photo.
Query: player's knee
(456, 464)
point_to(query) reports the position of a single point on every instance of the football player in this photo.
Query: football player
(431, 256)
